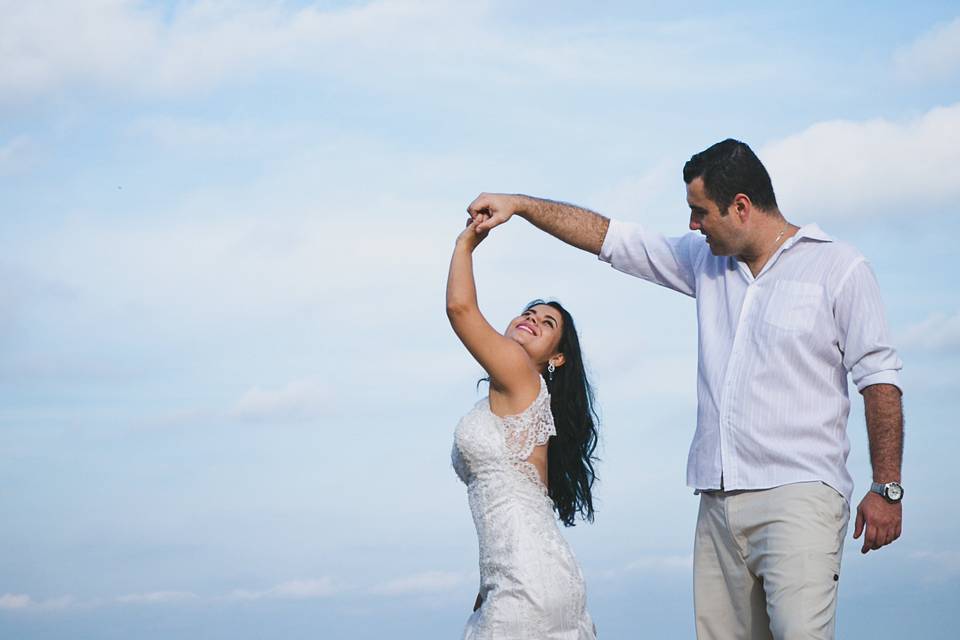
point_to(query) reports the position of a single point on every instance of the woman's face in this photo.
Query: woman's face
(538, 331)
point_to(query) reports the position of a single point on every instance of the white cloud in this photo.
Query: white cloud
(127, 46)
(156, 597)
(298, 400)
(863, 169)
(837, 168)
(430, 582)
(939, 332)
(420, 583)
(291, 590)
(15, 601)
(19, 601)
(121, 44)
(934, 55)
(48, 43)
(64, 602)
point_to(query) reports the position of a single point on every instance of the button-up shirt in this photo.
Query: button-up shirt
(774, 355)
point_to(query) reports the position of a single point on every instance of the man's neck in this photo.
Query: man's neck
(772, 235)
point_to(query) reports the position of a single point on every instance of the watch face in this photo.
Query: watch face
(894, 491)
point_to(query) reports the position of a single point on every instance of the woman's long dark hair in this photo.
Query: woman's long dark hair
(570, 453)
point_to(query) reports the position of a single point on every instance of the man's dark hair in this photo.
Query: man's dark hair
(728, 168)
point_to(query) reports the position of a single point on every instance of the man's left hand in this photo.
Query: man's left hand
(880, 521)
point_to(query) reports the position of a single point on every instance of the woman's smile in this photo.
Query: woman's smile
(523, 326)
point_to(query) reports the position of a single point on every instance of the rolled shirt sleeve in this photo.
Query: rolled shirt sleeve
(868, 353)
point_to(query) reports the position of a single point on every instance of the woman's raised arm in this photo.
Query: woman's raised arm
(510, 368)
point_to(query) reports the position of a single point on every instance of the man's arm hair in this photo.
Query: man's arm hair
(879, 521)
(883, 407)
(577, 226)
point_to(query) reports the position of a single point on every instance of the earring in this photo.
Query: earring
(550, 370)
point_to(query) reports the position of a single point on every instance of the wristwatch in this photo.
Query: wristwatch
(891, 491)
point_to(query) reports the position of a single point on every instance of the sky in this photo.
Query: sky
(227, 383)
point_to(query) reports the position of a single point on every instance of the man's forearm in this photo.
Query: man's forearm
(574, 225)
(884, 415)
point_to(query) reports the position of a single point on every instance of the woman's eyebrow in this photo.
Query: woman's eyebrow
(546, 316)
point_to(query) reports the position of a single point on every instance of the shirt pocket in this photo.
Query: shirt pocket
(793, 306)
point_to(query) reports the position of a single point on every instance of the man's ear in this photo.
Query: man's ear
(742, 206)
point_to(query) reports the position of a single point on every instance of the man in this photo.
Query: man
(784, 314)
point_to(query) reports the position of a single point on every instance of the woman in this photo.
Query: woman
(524, 452)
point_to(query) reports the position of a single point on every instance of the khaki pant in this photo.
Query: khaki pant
(766, 564)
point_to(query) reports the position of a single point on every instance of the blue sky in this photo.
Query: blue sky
(228, 385)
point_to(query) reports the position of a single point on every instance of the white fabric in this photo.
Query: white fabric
(774, 352)
(766, 564)
(530, 582)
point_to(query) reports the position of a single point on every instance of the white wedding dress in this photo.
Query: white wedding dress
(531, 584)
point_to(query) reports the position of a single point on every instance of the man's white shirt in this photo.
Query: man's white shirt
(774, 353)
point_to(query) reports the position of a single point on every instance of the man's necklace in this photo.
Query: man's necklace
(780, 235)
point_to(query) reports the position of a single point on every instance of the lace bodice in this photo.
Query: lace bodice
(476, 446)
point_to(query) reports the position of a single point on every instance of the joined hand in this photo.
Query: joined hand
(492, 209)
(472, 235)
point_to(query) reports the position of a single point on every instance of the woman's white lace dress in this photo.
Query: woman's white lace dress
(531, 585)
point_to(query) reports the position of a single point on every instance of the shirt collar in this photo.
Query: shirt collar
(812, 232)
(806, 232)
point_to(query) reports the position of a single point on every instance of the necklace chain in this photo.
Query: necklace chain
(780, 235)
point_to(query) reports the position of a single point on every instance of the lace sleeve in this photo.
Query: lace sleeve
(533, 427)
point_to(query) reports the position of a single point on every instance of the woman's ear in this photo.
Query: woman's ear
(558, 360)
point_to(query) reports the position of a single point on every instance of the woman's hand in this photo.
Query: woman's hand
(470, 238)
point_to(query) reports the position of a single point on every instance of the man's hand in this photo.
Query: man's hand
(493, 209)
(883, 521)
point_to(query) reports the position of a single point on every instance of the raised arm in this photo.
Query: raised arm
(511, 371)
(574, 225)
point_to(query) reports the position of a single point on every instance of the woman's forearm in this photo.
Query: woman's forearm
(461, 287)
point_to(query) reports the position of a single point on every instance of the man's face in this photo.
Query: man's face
(723, 232)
